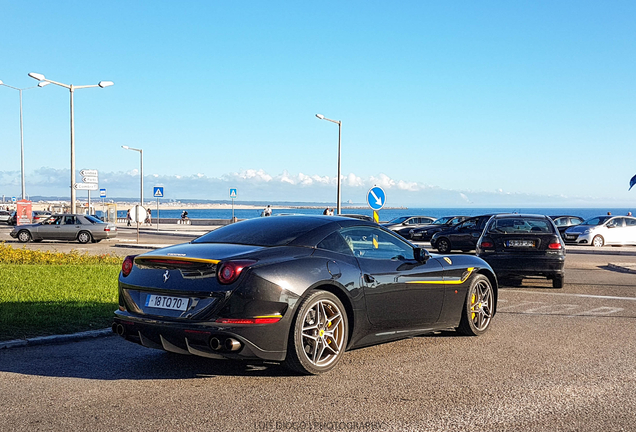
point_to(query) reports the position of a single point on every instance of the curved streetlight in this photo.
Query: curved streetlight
(141, 163)
(339, 123)
(71, 89)
(41, 84)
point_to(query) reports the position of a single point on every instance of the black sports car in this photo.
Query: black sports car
(299, 290)
(521, 245)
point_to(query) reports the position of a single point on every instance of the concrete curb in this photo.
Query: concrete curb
(47, 340)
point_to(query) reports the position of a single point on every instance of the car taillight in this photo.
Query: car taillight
(107, 229)
(127, 265)
(230, 271)
(555, 245)
(487, 244)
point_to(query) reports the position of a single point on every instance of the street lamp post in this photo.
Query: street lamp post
(41, 84)
(339, 123)
(71, 89)
(141, 163)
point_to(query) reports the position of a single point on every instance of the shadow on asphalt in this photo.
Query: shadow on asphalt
(112, 358)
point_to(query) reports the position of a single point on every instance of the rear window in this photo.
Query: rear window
(520, 225)
(267, 231)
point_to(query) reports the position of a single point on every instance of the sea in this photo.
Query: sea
(386, 214)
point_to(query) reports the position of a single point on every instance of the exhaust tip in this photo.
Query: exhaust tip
(121, 330)
(232, 344)
(215, 344)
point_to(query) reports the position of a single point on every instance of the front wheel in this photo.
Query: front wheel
(479, 307)
(84, 237)
(24, 236)
(598, 241)
(318, 337)
(443, 245)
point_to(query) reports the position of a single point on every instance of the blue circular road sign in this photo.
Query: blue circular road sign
(376, 198)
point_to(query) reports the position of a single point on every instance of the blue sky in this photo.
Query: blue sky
(442, 103)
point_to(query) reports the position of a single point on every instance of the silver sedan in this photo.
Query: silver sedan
(66, 227)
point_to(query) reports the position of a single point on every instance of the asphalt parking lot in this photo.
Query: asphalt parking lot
(554, 359)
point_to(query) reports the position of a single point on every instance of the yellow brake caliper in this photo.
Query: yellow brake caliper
(473, 298)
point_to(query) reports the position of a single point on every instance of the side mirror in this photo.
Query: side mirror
(421, 254)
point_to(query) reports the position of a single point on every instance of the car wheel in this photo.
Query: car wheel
(443, 245)
(478, 307)
(598, 241)
(84, 237)
(557, 282)
(24, 236)
(318, 337)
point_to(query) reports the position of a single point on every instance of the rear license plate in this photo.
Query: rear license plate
(167, 302)
(520, 243)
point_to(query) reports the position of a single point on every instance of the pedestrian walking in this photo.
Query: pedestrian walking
(128, 219)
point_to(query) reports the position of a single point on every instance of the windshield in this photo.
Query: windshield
(398, 220)
(599, 220)
(442, 221)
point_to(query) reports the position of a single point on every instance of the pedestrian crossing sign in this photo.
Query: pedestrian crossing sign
(158, 192)
(233, 193)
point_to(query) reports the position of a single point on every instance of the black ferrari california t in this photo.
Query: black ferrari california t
(299, 290)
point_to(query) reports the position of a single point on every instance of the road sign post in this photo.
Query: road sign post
(376, 198)
(233, 194)
(157, 192)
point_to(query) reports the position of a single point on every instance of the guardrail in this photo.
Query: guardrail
(179, 221)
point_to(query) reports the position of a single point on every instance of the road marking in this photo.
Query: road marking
(542, 308)
(572, 295)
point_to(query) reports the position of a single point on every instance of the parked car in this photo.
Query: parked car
(358, 216)
(40, 216)
(69, 227)
(298, 290)
(521, 245)
(603, 230)
(5, 217)
(424, 233)
(404, 224)
(462, 236)
(564, 222)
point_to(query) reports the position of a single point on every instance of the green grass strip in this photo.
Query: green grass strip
(46, 299)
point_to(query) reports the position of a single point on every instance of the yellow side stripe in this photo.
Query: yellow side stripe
(270, 316)
(466, 275)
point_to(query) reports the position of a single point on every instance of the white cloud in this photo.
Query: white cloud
(258, 185)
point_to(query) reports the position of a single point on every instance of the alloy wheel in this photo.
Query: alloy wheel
(323, 333)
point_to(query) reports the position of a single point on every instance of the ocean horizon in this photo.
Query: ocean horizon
(385, 215)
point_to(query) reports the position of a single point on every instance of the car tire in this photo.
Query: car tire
(479, 307)
(318, 335)
(557, 282)
(443, 245)
(598, 241)
(84, 237)
(24, 236)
